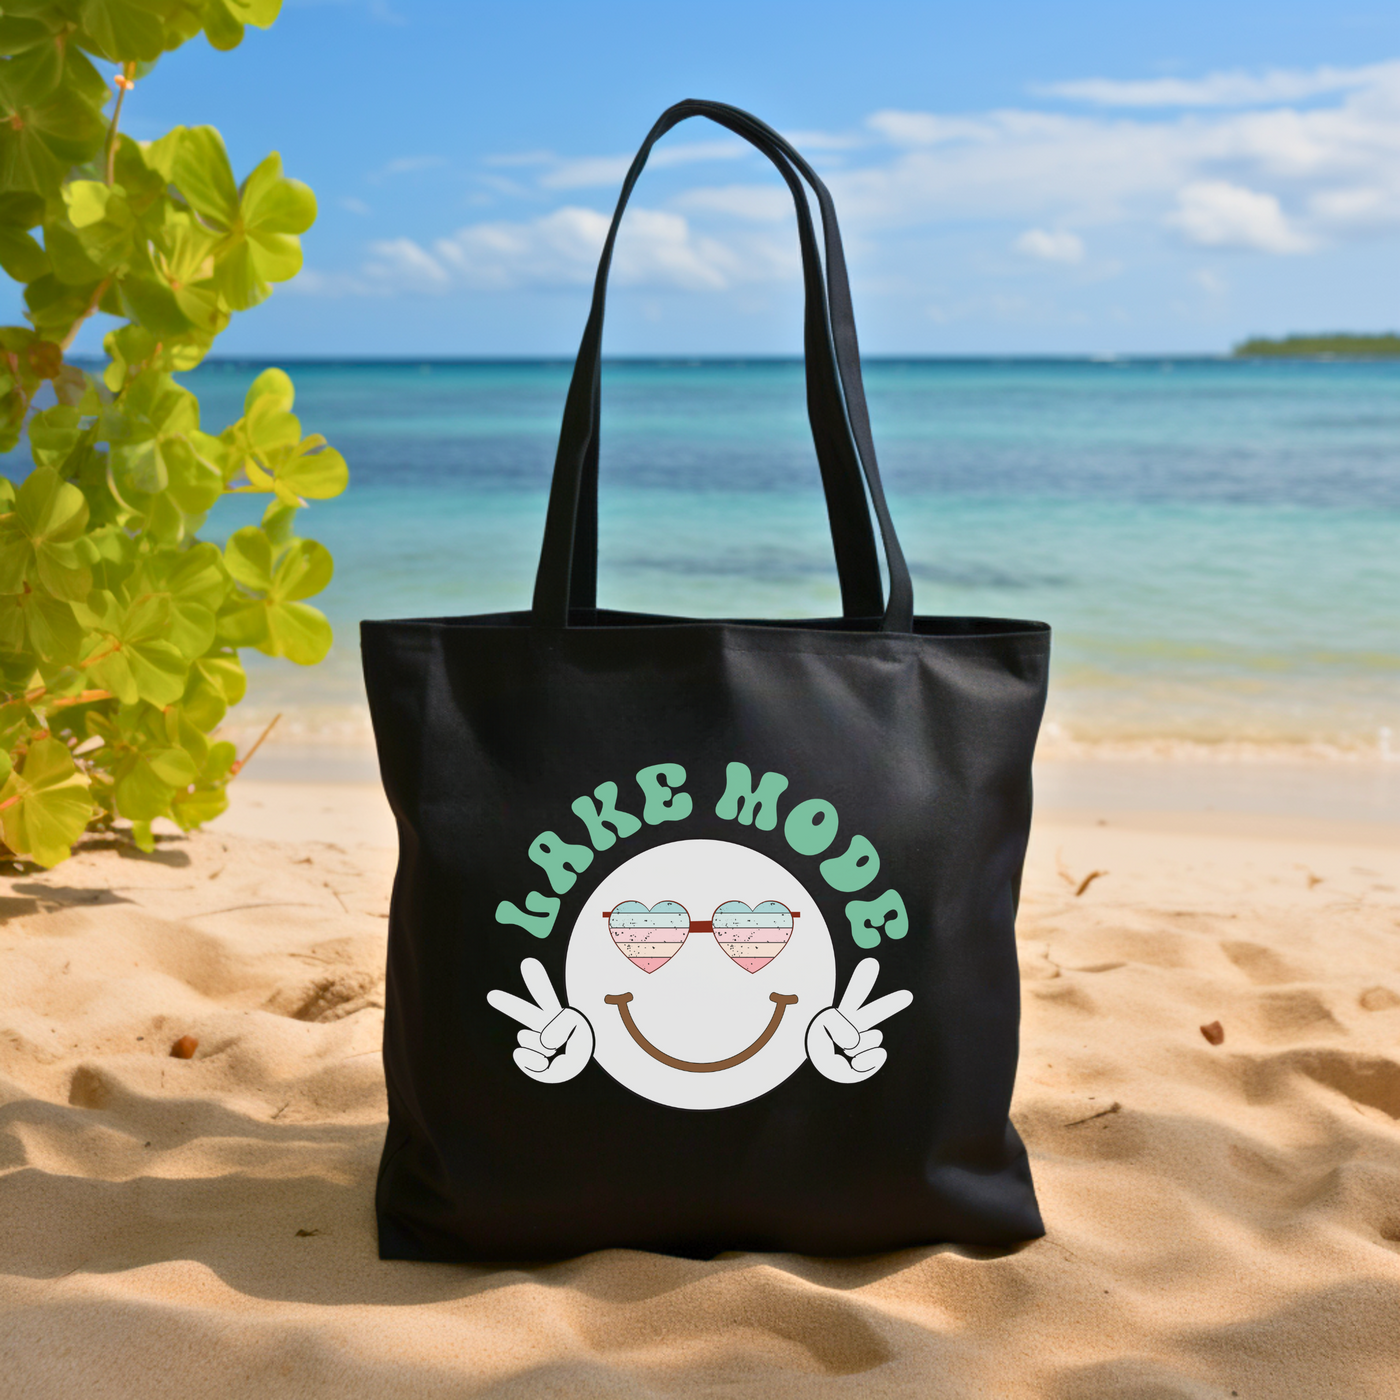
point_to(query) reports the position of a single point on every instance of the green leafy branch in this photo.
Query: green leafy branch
(119, 628)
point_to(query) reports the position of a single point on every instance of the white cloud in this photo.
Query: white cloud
(1051, 245)
(563, 173)
(927, 129)
(806, 141)
(405, 165)
(402, 261)
(656, 248)
(1312, 161)
(1232, 89)
(760, 203)
(1335, 166)
(1217, 214)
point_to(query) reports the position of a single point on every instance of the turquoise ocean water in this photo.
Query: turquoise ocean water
(1216, 543)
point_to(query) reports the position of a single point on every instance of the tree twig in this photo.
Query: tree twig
(125, 81)
(99, 292)
(1114, 1107)
(1089, 880)
(239, 764)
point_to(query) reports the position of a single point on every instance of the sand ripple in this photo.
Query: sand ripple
(1224, 1220)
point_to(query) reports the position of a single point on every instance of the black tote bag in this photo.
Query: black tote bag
(702, 931)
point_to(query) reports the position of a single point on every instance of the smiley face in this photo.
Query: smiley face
(699, 965)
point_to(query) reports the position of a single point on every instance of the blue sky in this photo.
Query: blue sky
(1012, 178)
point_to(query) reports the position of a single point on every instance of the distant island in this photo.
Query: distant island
(1354, 347)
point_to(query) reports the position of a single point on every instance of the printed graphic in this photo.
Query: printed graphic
(649, 938)
(691, 1020)
(753, 937)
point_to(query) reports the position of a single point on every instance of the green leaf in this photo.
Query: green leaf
(132, 656)
(129, 348)
(270, 426)
(248, 557)
(299, 632)
(206, 797)
(21, 210)
(148, 616)
(165, 521)
(38, 538)
(163, 448)
(87, 201)
(279, 523)
(194, 466)
(21, 255)
(12, 624)
(256, 12)
(173, 766)
(153, 671)
(54, 434)
(152, 302)
(18, 35)
(178, 591)
(124, 30)
(197, 575)
(203, 702)
(145, 186)
(262, 246)
(45, 128)
(201, 172)
(274, 205)
(187, 265)
(192, 809)
(53, 305)
(191, 630)
(305, 569)
(313, 471)
(69, 258)
(223, 673)
(160, 155)
(53, 804)
(113, 241)
(275, 384)
(142, 795)
(267, 447)
(40, 624)
(222, 30)
(243, 623)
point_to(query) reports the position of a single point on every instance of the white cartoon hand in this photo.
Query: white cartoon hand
(840, 1041)
(557, 1041)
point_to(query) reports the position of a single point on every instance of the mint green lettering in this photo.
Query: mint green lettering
(539, 923)
(872, 917)
(811, 826)
(752, 808)
(663, 804)
(624, 822)
(854, 870)
(560, 860)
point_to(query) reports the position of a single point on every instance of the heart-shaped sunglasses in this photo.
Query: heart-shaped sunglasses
(650, 938)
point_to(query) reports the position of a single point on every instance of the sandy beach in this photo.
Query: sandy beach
(1224, 1219)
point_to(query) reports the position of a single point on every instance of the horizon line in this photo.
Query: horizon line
(1081, 357)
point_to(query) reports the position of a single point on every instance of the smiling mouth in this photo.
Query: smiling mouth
(781, 1003)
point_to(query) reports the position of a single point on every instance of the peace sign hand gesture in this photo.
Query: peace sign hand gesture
(557, 1041)
(841, 1043)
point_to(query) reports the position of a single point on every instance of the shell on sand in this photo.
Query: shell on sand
(1222, 1218)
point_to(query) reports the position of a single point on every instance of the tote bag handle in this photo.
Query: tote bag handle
(835, 397)
(857, 563)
